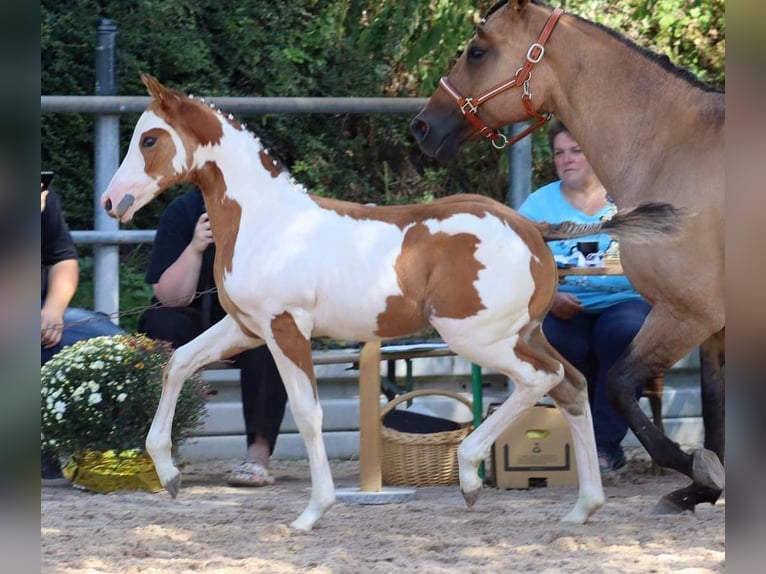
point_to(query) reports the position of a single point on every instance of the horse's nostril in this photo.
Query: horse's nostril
(108, 205)
(419, 129)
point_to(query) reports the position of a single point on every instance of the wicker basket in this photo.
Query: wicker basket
(421, 459)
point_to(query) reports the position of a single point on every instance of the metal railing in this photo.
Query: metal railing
(237, 105)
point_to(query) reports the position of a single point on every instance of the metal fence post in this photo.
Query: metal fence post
(520, 162)
(106, 258)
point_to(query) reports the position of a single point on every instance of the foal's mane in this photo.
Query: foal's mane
(237, 124)
(661, 59)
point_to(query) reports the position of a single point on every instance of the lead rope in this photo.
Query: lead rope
(133, 311)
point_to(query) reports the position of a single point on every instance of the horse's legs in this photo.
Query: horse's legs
(661, 341)
(220, 341)
(712, 393)
(530, 362)
(712, 358)
(292, 354)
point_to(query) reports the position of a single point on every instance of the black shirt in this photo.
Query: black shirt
(174, 233)
(56, 242)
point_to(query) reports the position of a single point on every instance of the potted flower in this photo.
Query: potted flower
(98, 399)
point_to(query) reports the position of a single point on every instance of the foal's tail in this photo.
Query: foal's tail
(641, 224)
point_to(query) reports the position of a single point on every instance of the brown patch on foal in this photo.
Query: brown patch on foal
(225, 212)
(202, 122)
(529, 349)
(404, 216)
(399, 215)
(158, 159)
(436, 273)
(294, 345)
(532, 346)
(270, 163)
(199, 121)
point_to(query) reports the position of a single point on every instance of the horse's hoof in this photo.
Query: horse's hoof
(667, 506)
(707, 469)
(174, 485)
(471, 497)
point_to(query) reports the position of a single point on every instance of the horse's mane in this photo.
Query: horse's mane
(661, 59)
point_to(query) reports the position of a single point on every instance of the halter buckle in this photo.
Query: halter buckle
(468, 107)
(531, 57)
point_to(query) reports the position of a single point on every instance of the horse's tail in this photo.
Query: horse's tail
(641, 224)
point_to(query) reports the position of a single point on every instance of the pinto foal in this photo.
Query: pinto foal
(290, 266)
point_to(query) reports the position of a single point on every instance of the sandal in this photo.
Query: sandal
(250, 474)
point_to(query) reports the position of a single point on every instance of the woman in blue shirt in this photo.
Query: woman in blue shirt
(594, 317)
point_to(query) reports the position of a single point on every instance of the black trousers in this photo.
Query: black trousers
(263, 394)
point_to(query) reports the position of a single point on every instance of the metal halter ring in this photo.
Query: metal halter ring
(502, 137)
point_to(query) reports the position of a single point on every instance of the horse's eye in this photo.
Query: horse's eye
(148, 141)
(475, 53)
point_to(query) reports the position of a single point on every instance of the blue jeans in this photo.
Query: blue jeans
(80, 324)
(593, 342)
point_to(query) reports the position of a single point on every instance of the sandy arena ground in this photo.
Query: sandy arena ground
(214, 528)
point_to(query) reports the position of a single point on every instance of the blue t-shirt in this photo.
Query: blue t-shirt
(595, 292)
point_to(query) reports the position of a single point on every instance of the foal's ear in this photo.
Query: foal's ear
(159, 92)
(153, 86)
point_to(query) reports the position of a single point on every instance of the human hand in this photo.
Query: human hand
(565, 306)
(51, 328)
(203, 235)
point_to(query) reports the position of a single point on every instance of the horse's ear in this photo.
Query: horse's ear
(518, 5)
(159, 92)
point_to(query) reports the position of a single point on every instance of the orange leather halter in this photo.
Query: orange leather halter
(470, 106)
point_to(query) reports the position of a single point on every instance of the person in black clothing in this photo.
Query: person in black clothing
(180, 269)
(61, 325)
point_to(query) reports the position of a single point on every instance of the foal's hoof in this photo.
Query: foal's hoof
(471, 497)
(174, 485)
(707, 469)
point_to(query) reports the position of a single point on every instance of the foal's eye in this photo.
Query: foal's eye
(148, 141)
(475, 53)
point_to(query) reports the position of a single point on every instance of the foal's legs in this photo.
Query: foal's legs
(220, 341)
(661, 341)
(533, 365)
(571, 396)
(712, 394)
(292, 353)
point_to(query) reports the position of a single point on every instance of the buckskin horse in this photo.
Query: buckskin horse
(652, 132)
(290, 266)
